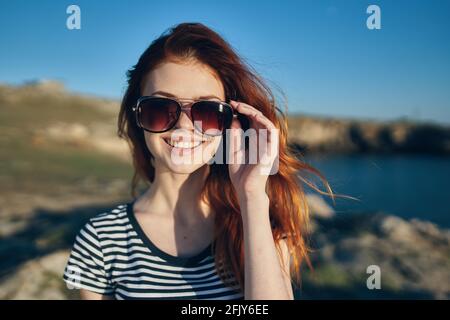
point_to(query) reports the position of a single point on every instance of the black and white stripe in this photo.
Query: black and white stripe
(113, 256)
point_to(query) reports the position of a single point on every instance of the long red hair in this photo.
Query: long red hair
(289, 211)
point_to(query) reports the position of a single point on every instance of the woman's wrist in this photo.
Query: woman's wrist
(252, 196)
(254, 204)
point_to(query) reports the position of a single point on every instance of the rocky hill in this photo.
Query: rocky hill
(320, 134)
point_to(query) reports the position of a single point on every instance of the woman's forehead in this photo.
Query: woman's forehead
(186, 80)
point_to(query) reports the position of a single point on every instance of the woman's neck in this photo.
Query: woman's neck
(177, 195)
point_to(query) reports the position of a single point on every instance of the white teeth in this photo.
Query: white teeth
(184, 145)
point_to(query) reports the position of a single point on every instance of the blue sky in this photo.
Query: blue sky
(320, 53)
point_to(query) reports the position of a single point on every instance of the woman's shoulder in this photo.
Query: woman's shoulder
(87, 266)
(117, 212)
(109, 218)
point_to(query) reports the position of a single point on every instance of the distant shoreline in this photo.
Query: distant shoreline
(310, 134)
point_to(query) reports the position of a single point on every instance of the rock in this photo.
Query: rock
(413, 256)
(318, 206)
(397, 229)
(38, 279)
(47, 85)
(68, 132)
(99, 136)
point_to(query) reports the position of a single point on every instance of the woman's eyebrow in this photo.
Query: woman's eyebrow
(170, 95)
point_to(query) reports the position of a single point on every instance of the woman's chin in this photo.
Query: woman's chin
(183, 164)
(183, 168)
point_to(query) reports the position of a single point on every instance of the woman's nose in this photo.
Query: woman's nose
(185, 120)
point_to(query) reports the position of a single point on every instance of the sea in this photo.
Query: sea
(409, 186)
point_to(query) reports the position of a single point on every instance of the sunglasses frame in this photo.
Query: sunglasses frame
(137, 110)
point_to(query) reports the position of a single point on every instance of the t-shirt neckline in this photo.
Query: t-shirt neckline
(179, 261)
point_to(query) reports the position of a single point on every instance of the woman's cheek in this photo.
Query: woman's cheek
(152, 143)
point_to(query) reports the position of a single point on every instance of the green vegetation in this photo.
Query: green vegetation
(30, 163)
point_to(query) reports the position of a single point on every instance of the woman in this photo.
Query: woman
(187, 236)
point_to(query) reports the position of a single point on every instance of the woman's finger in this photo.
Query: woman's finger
(255, 114)
(235, 143)
(265, 121)
(244, 108)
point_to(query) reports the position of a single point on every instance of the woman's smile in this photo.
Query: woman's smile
(184, 146)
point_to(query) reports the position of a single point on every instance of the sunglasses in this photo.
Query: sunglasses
(160, 114)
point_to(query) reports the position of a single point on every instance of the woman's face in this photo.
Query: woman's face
(190, 80)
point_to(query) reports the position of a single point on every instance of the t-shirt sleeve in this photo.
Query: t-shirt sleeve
(85, 268)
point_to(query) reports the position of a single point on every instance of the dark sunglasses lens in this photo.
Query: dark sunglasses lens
(211, 117)
(158, 114)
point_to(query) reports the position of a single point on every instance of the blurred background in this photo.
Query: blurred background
(369, 108)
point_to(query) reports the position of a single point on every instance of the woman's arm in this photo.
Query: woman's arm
(85, 267)
(266, 275)
(89, 295)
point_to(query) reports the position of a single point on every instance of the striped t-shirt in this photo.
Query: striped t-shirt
(113, 256)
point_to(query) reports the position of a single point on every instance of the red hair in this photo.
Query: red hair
(288, 210)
